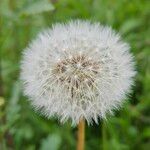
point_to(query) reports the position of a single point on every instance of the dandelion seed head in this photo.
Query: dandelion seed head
(78, 70)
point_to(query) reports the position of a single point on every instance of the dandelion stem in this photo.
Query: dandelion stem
(81, 135)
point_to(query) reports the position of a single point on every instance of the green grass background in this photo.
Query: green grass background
(23, 129)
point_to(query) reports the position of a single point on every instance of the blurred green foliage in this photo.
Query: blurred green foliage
(23, 129)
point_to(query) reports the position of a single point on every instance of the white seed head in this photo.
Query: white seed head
(78, 70)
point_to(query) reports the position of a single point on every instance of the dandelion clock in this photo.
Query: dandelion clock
(78, 71)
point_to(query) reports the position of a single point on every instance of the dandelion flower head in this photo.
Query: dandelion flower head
(78, 70)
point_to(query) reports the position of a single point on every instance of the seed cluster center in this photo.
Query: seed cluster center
(76, 70)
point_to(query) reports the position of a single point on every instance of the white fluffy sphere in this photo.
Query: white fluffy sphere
(78, 70)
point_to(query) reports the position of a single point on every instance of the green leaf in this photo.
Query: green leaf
(146, 133)
(2, 101)
(37, 7)
(51, 142)
(13, 106)
(130, 25)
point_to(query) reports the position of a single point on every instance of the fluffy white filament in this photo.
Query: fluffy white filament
(77, 70)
